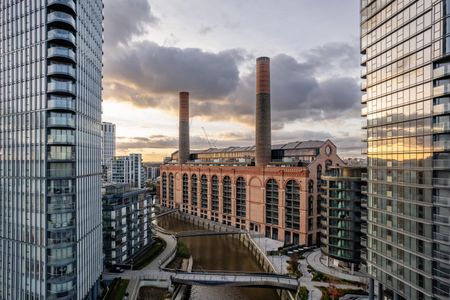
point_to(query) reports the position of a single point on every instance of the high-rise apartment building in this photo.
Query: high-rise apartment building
(405, 51)
(128, 169)
(50, 149)
(108, 142)
(108, 148)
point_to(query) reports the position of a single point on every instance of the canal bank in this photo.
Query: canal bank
(222, 253)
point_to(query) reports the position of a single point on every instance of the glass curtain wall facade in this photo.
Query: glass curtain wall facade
(50, 149)
(405, 82)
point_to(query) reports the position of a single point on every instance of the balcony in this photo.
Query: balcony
(364, 136)
(61, 225)
(364, 176)
(364, 99)
(67, 206)
(58, 173)
(441, 90)
(441, 219)
(441, 145)
(364, 112)
(364, 124)
(60, 69)
(441, 127)
(441, 163)
(61, 278)
(363, 59)
(58, 156)
(440, 109)
(441, 72)
(61, 35)
(61, 52)
(364, 189)
(61, 103)
(60, 139)
(441, 182)
(440, 200)
(364, 151)
(363, 241)
(441, 237)
(363, 84)
(61, 122)
(53, 295)
(364, 72)
(62, 3)
(61, 17)
(61, 87)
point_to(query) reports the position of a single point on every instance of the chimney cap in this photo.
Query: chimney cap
(263, 58)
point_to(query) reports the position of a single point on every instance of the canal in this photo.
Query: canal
(219, 253)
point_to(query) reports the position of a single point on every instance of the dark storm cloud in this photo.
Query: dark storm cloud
(125, 19)
(166, 70)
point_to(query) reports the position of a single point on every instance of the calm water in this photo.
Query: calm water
(219, 253)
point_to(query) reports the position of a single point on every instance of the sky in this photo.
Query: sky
(156, 48)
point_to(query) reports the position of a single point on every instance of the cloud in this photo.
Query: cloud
(125, 19)
(150, 68)
(204, 30)
(149, 75)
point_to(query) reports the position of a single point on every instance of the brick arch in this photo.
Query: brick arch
(252, 181)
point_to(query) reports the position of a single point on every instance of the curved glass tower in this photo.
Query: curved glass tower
(50, 149)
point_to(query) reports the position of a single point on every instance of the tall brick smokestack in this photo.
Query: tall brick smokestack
(183, 134)
(263, 118)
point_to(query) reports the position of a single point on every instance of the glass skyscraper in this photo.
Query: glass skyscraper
(50, 149)
(405, 51)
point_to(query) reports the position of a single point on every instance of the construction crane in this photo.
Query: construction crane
(207, 138)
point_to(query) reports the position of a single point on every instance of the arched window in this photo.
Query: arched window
(328, 164)
(171, 187)
(226, 195)
(292, 212)
(310, 205)
(204, 191)
(214, 193)
(319, 171)
(272, 202)
(310, 186)
(185, 189)
(240, 197)
(164, 187)
(194, 190)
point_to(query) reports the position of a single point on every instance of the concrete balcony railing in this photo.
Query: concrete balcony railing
(58, 16)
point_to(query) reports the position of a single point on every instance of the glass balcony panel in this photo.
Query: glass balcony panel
(441, 90)
(63, 172)
(441, 145)
(61, 121)
(441, 182)
(441, 127)
(61, 69)
(61, 52)
(441, 71)
(441, 200)
(61, 136)
(68, 3)
(58, 16)
(61, 103)
(61, 87)
(61, 34)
